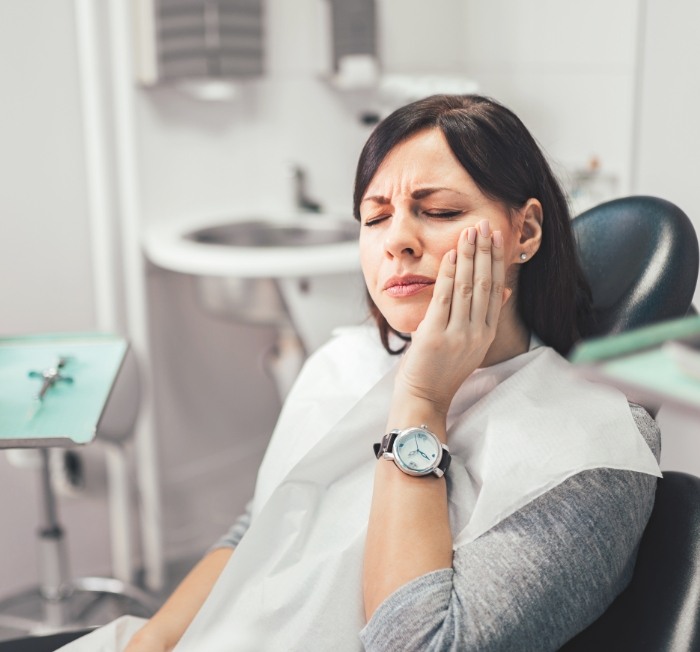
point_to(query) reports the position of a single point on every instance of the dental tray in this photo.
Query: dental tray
(653, 365)
(70, 409)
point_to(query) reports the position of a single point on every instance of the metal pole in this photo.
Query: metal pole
(53, 560)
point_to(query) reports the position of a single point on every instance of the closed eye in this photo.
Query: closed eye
(442, 214)
(375, 220)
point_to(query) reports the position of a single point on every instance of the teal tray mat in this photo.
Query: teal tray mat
(639, 363)
(69, 413)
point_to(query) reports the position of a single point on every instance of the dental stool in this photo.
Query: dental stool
(68, 603)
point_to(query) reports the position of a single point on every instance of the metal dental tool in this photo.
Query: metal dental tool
(49, 378)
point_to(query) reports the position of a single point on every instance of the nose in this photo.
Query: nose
(403, 236)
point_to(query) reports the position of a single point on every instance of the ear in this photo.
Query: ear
(530, 219)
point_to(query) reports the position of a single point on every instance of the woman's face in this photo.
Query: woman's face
(412, 213)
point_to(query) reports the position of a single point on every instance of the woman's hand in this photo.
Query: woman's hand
(460, 323)
(163, 631)
(449, 344)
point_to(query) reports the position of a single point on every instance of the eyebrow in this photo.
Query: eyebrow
(421, 193)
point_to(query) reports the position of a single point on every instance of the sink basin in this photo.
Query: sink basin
(271, 269)
(250, 246)
(304, 232)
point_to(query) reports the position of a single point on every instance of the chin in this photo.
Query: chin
(405, 320)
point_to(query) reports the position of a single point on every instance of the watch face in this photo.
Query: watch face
(417, 451)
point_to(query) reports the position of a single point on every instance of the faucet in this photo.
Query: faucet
(304, 203)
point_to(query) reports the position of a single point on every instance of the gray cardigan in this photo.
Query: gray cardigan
(534, 580)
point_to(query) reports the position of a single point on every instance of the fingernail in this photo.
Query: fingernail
(453, 256)
(484, 227)
(497, 239)
(471, 235)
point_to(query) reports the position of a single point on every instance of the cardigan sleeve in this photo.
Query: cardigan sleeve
(537, 578)
(235, 533)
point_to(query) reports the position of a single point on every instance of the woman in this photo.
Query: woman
(531, 531)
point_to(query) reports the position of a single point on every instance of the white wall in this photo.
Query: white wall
(567, 69)
(44, 247)
(668, 160)
(215, 410)
(668, 151)
(45, 256)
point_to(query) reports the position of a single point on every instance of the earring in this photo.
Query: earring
(523, 256)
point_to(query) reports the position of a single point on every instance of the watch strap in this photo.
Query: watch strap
(444, 460)
(387, 443)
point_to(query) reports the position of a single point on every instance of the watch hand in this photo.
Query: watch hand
(415, 437)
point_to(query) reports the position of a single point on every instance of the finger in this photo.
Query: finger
(498, 279)
(482, 273)
(438, 313)
(464, 278)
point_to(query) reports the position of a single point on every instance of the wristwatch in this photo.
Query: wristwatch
(416, 451)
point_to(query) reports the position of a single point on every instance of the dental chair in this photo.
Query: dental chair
(660, 609)
(640, 255)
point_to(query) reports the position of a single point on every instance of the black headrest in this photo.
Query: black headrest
(640, 256)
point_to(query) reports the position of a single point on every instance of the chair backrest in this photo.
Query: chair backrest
(640, 256)
(660, 610)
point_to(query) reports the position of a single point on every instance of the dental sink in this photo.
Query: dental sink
(286, 270)
(251, 246)
(303, 232)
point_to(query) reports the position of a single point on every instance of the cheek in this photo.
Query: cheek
(371, 251)
(368, 262)
(441, 241)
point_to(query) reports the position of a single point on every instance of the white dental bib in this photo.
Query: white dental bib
(515, 430)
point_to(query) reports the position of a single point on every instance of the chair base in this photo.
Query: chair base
(76, 608)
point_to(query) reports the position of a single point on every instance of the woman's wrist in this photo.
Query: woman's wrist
(407, 412)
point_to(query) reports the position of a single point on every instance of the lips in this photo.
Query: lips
(406, 286)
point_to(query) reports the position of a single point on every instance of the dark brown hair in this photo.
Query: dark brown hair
(508, 166)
